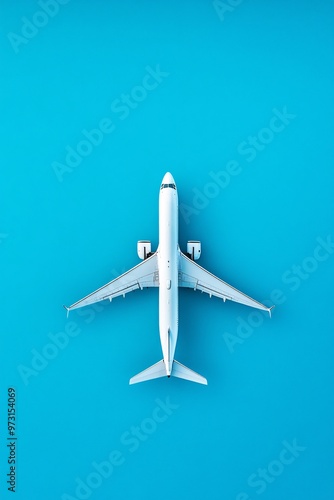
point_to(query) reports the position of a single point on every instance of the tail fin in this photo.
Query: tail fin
(182, 371)
(155, 371)
(159, 370)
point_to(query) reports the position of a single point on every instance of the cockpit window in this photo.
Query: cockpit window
(168, 186)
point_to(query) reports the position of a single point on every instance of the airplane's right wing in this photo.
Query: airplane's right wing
(191, 275)
(145, 274)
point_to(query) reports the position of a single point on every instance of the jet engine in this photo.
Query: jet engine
(144, 249)
(194, 249)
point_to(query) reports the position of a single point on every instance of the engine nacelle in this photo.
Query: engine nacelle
(194, 249)
(144, 249)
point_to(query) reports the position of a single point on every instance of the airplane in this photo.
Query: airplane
(169, 270)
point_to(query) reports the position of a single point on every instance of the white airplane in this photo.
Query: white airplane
(168, 269)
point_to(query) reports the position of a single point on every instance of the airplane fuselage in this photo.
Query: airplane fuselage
(168, 257)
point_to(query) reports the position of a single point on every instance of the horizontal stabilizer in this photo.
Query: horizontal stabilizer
(182, 371)
(155, 371)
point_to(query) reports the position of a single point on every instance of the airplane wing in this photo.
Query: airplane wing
(191, 275)
(145, 274)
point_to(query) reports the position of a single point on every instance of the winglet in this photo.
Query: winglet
(68, 311)
(270, 309)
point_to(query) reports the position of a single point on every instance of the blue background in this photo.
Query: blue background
(61, 240)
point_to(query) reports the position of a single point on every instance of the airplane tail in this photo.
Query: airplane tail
(181, 371)
(155, 371)
(159, 370)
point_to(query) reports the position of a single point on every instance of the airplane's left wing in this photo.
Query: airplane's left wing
(145, 274)
(191, 275)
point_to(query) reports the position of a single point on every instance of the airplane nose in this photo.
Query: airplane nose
(168, 179)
